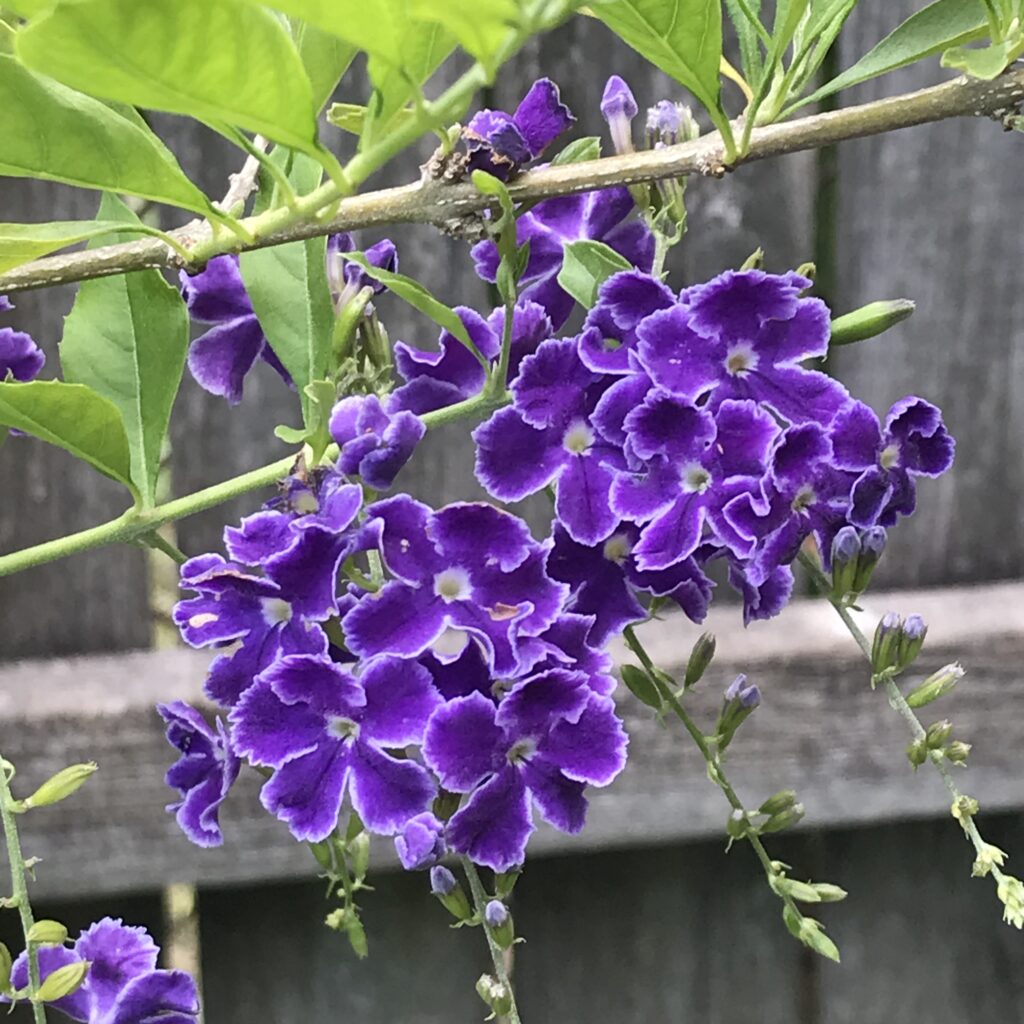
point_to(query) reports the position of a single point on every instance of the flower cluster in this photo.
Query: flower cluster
(122, 984)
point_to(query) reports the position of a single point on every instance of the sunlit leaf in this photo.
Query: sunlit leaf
(325, 57)
(21, 243)
(481, 26)
(586, 266)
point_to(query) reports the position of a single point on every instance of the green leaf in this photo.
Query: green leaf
(126, 338)
(986, 62)
(74, 418)
(640, 684)
(28, 8)
(6, 38)
(586, 266)
(288, 288)
(682, 37)
(419, 298)
(215, 60)
(20, 243)
(352, 117)
(578, 150)
(53, 132)
(937, 27)
(747, 36)
(325, 57)
(481, 26)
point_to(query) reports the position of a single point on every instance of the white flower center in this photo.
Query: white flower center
(342, 728)
(890, 456)
(695, 478)
(804, 497)
(452, 584)
(578, 438)
(617, 548)
(740, 360)
(522, 751)
(276, 612)
(306, 503)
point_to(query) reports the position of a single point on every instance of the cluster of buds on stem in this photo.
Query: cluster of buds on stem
(855, 553)
(897, 643)
(740, 701)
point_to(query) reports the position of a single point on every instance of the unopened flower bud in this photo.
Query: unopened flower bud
(359, 855)
(442, 881)
(883, 649)
(737, 825)
(505, 882)
(936, 685)
(813, 936)
(494, 994)
(47, 933)
(700, 658)
(499, 921)
(870, 320)
(911, 640)
(741, 698)
(618, 108)
(804, 892)
(1010, 891)
(808, 270)
(829, 893)
(845, 554)
(421, 844)
(63, 981)
(449, 893)
(60, 786)
(964, 808)
(872, 544)
(783, 819)
(917, 753)
(669, 123)
(937, 734)
(778, 802)
(755, 261)
(989, 857)
(957, 752)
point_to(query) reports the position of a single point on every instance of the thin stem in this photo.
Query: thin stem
(476, 887)
(19, 886)
(158, 542)
(499, 379)
(713, 762)
(434, 203)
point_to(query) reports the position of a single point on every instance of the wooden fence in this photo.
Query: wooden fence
(643, 917)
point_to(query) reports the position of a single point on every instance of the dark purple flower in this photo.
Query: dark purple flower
(421, 844)
(763, 600)
(547, 739)
(605, 581)
(21, 359)
(375, 444)
(220, 358)
(600, 216)
(501, 143)
(743, 335)
(618, 108)
(203, 775)
(347, 278)
(469, 566)
(324, 732)
(122, 985)
(914, 442)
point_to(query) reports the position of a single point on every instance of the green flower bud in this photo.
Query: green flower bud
(917, 753)
(957, 751)
(347, 921)
(699, 660)
(499, 923)
(883, 648)
(829, 893)
(870, 320)
(359, 855)
(872, 545)
(845, 560)
(640, 684)
(911, 640)
(936, 685)
(60, 786)
(736, 825)
(779, 802)
(450, 894)
(322, 852)
(784, 819)
(47, 933)
(989, 857)
(937, 734)
(813, 936)
(505, 882)
(494, 994)
(963, 809)
(802, 891)
(5, 968)
(755, 261)
(63, 981)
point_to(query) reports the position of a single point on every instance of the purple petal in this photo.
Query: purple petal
(745, 434)
(631, 296)
(514, 459)
(169, 997)
(675, 356)
(453, 362)
(400, 697)
(591, 749)
(463, 744)
(735, 304)
(379, 468)
(800, 396)
(551, 387)
(542, 116)
(399, 619)
(424, 394)
(118, 953)
(869, 496)
(220, 358)
(561, 800)
(406, 542)
(217, 293)
(674, 535)
(530, 326)
(20, 356)
(634, 241)
(804, 336)
(494, 826)
(616, 404)
(583, 499)
(639, 497)
(605, 209)
(766, 600)
(798, 453)
(421, 843)
(317, 681)
(466, 673)
(51, 958)
(308, 571)
(477, 534)
(307, 793)
(259, 537)
(533, 706)
(387, 791)
(668, 425)
(267, 731)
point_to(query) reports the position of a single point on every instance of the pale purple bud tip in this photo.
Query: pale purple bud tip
(617, 101)
(495, 914)
(846, 546)
(5, 303)
(733, 691)
(890, 621)
(914, 627)
(750, 697)
(872, 541)
(442, 881)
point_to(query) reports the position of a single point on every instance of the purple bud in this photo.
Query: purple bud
(669, 123)
(5, 303)
(421, 844)
(846, 546)
(442, 881)
(914, 627)
(750, 697)
(346, 278)
(733, 691)
(890, 622)
(495, 914)
(618, 108)
(872, 542)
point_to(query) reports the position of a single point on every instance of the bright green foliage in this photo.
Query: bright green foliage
(586, 266)
(325, 57)
(481, 26)
(126, 338)
(288, 288)
(588, 148)
(682, 37)
(986, 62)
(220, 61)
(51, 131)
(748, 30)
(28, 8)
(937, 27)
(74, 418)
(20, 243)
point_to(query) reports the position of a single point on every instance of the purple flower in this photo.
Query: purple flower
(605, 582)
(122, 985)
(600, 216)
(548, 437)
(913, 443)
(618, 108)
(203, 775)
(347, 278)
(743, 335)
(501, 143)
(374, 444)
(687, 460)
(452, 373)
(324, 732)
(220, 358)
(469, 566)
(421, 844)
(21, 359)
(546, 740)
